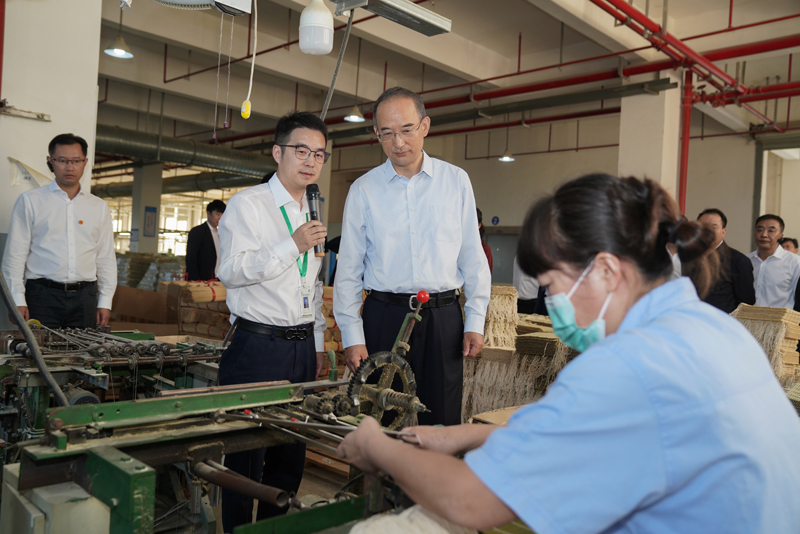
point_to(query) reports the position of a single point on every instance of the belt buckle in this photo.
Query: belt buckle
(296, 334)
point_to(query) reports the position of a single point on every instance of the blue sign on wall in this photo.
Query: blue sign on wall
(150, 216)
(495, 220)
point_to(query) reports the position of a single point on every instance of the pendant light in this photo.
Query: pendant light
(119, 48)
(507, 154)
(355, 113)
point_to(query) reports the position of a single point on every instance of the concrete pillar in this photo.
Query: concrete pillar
(145, 214)
(649, 136)
(64, 87)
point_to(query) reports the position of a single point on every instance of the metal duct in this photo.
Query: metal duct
(203, 181)
(144, 146)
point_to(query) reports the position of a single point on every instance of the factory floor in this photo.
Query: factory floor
(317, 481)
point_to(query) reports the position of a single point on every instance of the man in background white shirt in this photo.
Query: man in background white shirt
(775, 270)
(273, 287)
(410, 225)
(59, 259)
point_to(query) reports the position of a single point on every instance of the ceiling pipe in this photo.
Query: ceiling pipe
(754, 94)
(145, 147)
(720, 54)
(510, 124)
(204, 181)
(2, 39)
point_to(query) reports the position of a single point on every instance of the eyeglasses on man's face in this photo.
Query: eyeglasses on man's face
(303, 153)
(66, 161)
(405, 133)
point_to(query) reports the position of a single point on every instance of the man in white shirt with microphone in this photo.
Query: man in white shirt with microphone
(271, 275)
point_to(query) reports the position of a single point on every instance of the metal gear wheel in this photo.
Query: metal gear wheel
(375, 398)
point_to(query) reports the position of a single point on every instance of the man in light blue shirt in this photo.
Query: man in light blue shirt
(410, 225)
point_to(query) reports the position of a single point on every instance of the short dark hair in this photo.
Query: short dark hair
(715, 211)
(298, 119)
(630, 218)
(481, 229)
(67, 139)
(783, 240)
(400, 92)
(216, 205)
(771, 217)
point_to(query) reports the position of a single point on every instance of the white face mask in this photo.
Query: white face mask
(562, 315)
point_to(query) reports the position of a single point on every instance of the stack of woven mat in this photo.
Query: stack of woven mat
(777, 330)
(203, 311)
(522, 357)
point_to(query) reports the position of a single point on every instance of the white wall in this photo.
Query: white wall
(790, 195)
(60, 81)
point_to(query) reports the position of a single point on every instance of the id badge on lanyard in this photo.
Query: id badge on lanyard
(305, 300)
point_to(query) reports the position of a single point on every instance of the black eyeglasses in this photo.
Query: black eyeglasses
(303, 153)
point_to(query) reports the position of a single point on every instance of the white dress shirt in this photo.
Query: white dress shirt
(404, 235)
(676, 265)
(776, 278)
(527, 286)
(215, 237)
(258, 259)
(62, 240)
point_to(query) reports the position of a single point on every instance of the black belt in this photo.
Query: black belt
(74, 286)
(437, 300)
(293, 333)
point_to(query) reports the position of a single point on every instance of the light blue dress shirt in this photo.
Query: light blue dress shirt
(404, 235)
(674, 424)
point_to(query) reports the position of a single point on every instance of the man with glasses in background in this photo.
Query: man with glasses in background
(59, 259)
(274, 291)
(410, 225)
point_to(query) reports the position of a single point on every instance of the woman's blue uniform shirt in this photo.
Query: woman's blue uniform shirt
(674, 424)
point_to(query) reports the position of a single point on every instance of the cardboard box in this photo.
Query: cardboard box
(139, 306)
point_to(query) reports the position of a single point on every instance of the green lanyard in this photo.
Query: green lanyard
(302, 266)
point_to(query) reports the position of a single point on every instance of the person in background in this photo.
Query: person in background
(527, 289)
(735, 284)
(59, 260)
(410, 225)
(776, 271)
(202, 247)
(670, 421)
(789, 243)
(272, 277)
(486, 248)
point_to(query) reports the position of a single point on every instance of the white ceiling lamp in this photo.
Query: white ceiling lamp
(119, 48)
(507, 156)
(316, 29)
(355, 113)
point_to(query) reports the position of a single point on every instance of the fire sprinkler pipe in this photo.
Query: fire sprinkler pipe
(686, 122)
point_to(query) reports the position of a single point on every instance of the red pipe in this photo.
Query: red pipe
(754, 94)
(548, 151)
(756, 98)
(484, 127)
(686, 122)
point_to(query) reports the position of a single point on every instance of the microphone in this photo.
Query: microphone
(312, 193)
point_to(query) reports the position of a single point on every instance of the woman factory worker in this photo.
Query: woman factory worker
(670, 421)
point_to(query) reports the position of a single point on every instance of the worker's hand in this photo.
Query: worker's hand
(320, 363)
(473, 343)
(22, 310)
(309, 235)
(357, 445)
(354, 355)
(103, 315)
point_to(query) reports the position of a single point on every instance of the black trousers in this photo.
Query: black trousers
(260, 358)
(526, 306)
(435, 356)
(56, 308)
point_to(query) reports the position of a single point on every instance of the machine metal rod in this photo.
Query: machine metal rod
(306, 440)
(301, 424)
(227, 479)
